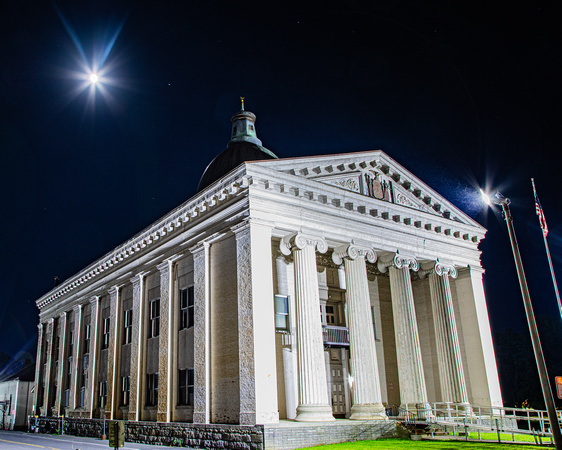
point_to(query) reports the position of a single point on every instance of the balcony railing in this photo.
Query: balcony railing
(335, 336)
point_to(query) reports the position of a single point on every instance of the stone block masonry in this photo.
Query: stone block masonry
(234, 437)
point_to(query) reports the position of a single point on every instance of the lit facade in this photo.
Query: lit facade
(301, 288)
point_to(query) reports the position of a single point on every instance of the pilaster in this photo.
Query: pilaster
(367, 398)
(113, 354)
(167, 345)
(58, 408)
(201, 392)
(48, 343)
(256, 324)
(137, 349)
(314, 404)
(410, 367)
(38, 365)
(91, 376)
(76, 354)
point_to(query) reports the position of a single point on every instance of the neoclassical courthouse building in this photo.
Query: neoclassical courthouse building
(305, 288)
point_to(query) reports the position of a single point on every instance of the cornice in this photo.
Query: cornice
(233, 185)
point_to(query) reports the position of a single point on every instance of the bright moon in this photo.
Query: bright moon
(94, 78)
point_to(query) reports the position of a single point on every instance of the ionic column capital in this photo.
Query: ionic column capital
(301, 241)
(353, 251)
(399, 261)
(443, 269)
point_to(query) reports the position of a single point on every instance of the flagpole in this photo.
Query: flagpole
(549, 258)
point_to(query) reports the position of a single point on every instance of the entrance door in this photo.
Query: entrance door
(336, 382)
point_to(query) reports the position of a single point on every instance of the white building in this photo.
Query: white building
(16, 402)
(300, 288)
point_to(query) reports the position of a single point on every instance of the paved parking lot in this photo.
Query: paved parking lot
(18, 440)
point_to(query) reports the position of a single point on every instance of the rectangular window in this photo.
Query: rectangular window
(57, 349)
(87, 339)
(69, 373)
(67, 398)
(82, 396)
(154, 325)
(281, 313)
(71, 342)
(103, 394)
(128, 327)
(186, 308)
(185, 391)
(106, 331)
(152, 389)
(125, 390)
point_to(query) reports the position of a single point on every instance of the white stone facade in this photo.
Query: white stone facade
(292, 288)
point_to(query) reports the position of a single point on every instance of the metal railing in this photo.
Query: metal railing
(335, 336)
(494, 419)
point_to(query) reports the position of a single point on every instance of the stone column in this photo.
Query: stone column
(366, 391)
(59, 395)
(48, 344)
(413, 393)
(314, 404)
(114, 353)
(453, 385)
(91, 375)
(201, 333)
(256, 324)
(167, 344)
(75, 363)
(38, 365)
(137, 349)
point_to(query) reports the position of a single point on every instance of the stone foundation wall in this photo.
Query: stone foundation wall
(234, 437)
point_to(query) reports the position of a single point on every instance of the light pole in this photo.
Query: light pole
(537, 349)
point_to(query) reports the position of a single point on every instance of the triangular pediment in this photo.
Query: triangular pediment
(373, 174)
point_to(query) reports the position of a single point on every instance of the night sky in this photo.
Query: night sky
(462, 93)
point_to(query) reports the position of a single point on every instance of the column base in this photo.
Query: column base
(372, 411)
(314, 413)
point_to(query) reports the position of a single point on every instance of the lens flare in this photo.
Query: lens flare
(485, 198)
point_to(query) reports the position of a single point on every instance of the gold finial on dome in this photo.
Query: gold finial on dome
(242, 101)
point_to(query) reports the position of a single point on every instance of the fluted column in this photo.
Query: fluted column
(38, 365)
(314, 404)
(413, 392)
(137, 349)
(76, 365)
(114, 353)
(366, 391)
(167, 345)
(91, 376)
(59, 395)
(201, 333)
(453, 385)
(256, 324)
(48, 343)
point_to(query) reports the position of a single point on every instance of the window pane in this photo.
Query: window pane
(281, 304)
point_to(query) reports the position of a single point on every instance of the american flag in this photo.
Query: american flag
(540, 212)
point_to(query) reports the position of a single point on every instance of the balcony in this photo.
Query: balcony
(335, 336)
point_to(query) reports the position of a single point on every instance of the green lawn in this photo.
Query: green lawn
(405, 443)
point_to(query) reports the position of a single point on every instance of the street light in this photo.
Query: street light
(537, 349)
